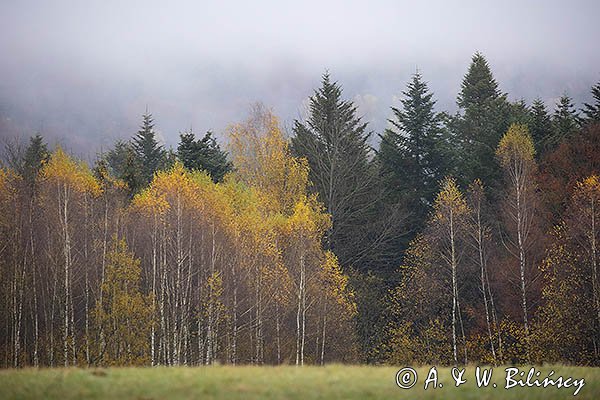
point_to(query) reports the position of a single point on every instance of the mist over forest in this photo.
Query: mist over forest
(328, 183)
(82, 74)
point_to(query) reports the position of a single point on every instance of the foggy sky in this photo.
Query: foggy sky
(83, 72)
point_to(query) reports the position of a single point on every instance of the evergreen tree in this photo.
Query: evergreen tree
(485, 117)
(36, 155)
(116, 158)
(519, 113)
(413, 154)
(123, 163)
(334, 141)
(151, 155)
(565, 120)
(541, 127)
(478, 87)
(203, 154)
(592, 111)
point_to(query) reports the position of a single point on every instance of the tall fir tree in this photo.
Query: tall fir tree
(541, 127)
(519, 113)
(149, 152)
(413, 154)
(203, 154)
(334, 140)
(123, 163)
(565, 119)
(36, 155)
(485, 117)
(592, 111)
(364, 228)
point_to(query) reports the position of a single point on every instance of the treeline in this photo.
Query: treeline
(187, 271)
(463, 238)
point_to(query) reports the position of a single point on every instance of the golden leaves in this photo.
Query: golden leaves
(516, 144)
(449, 200)
(263, 159)
(65, 170)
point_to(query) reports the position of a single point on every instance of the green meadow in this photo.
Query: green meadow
(282, 382)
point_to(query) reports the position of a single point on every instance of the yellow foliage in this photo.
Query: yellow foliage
(263, 159)
(337, 284)
(308, 218)
(76, 175)
(516, 144)
(449, 200)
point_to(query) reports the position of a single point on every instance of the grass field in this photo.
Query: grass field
(225, 382)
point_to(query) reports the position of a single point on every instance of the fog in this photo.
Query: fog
(82, 73)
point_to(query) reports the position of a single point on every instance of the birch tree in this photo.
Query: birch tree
(516, 155)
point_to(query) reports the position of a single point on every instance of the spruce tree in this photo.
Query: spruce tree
(36, 155)
(485, 117)
(203, 154)
(149, 152)
(565, 119)
(478, 87)
(413, 154)
(592, 111)
(334, 140)
(519, 113)
(541, 127)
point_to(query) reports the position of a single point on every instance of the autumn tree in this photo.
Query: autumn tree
(516, 155)
(68, 187)
(124, 314)
(567, 324)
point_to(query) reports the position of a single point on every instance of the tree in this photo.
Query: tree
(203, 154)
(567, 324)
(516, 155)
(565, 120)
(150, 154)
(480, 234)
(124, 314)
(123, 163)
(413, 153)
(541, 127)
(68, 187)
(485, 115)
(450, 212)
(592, 111)
(478, 87)
(334, 140)
(426, 306)
(583, 219)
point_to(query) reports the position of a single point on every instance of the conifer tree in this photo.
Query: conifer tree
(34, 158)
(592, 111)
(123, 163)
(485, 117)
(413, 153)
(203, 154)
(566, 120)
(334, 140)
(149, 152)
(541, 127)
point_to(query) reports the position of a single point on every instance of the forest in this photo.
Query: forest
(446, 239)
